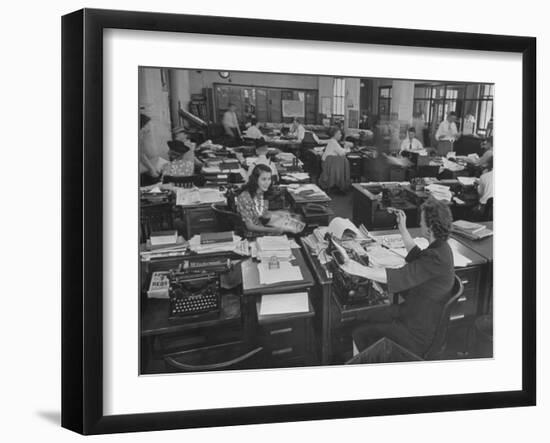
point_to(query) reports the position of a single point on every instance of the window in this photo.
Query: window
(339, 95)
(472, 102)
(384, 101)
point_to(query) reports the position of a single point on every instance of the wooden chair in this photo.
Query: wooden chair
(233, 355)
(439, 341)
(437, 346)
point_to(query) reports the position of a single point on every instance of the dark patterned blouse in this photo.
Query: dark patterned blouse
(251, 209)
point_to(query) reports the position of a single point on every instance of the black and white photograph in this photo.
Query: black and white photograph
(291, 220)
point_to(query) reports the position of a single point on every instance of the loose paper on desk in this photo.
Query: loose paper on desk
(467, 181)
(273, 304)
(285, 272)
(338, 226)
(459, 260)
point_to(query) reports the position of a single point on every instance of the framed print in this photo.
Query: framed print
(264, 226)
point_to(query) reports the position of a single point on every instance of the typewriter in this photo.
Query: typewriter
(193, 294)
(194, 288)
(352, 291)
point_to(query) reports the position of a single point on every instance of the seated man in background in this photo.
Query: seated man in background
(261, 152)
(485, 191)
(253, 131)
(299, 131)
(410, 143)
(425, 283)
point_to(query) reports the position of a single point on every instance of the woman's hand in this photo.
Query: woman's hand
(401, 219)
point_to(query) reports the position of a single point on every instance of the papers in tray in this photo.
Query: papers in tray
(275, 304)
(194, 196)
(286, 272)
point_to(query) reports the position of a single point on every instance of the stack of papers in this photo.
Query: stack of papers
(273, 246)
(231, 246)
(276, 304)
(296, 176)
(439, 192)
(284, 273)
(451, 166)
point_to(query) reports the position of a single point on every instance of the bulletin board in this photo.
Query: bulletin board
(293, 108)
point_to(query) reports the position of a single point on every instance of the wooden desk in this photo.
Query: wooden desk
(331, 318)
(483, 247)
(370, 210)
(237, 322)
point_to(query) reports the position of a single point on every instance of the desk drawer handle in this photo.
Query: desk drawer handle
(280, 331)
(282, 351)
(465, 282)
(202, 220)
(463, 298)
(457, 317)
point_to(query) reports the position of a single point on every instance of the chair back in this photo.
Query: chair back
(228, 220)
(335, 172)
(440, 338)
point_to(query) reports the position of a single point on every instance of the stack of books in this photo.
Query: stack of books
(473, 231)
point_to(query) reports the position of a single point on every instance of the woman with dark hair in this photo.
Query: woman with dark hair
(425, 283)
(251, 203)
(253, 206)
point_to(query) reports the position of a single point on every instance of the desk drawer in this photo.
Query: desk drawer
(467, 303)
(285, 339)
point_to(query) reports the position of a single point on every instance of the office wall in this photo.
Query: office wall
(205, 79)
(402, 100)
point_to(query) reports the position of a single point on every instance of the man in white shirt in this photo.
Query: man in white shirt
(231, 123)
(485, 185)
(410, 143)
(446, 134)
(254, 131)
(261, 152)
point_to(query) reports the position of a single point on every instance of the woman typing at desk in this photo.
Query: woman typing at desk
(253, 207)
(425, 283)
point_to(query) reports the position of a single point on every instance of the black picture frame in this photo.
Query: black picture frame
(82, 215)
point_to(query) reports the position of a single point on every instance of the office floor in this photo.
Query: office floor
(341, 204)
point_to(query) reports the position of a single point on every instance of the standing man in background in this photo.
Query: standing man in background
(231, 125)
(446, 134)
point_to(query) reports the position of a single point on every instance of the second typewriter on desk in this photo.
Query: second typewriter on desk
(194, 289)
(351, 290)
